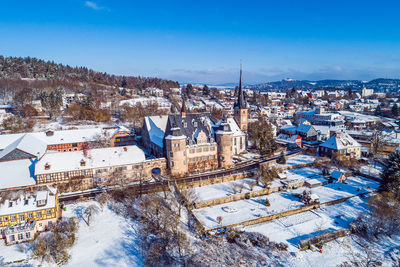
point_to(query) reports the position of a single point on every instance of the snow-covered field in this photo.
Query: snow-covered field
(225, 189)
(246, 209)
(109, 240)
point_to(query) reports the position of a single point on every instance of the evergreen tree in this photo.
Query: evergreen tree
(188, 91)
(395, 110)
(206, 90)
(391, 175)
(378, 111)
(282, 159)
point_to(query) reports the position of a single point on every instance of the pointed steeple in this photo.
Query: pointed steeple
(241, 102)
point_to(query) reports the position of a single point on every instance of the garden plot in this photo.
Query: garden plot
(292, 229)
(354, 185)
(247, 209)
(220, 190)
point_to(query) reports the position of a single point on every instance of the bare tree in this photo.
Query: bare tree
(89, 212)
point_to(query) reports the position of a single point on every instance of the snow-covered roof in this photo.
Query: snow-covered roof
(336, 174)
(156, 126)
(16, 173)
(27, 143)
(95, 158)
(303, 128)
(340, 141)
(62, 137)
(18, 198)
(234, 127)
(287, 139)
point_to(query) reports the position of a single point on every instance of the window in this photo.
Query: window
(13, 218)
(195, 124)
(28, 235)
(26, 202)
(212, 148)
(172, 164)
(191, 151)
(48, 213)
(20, 236)
(10, 204)
(205, 149)
(5, 219)
(30, 215)
(39, 214)
(185, 124)
(198, 150)
(21, 218)
(0, 220)
(12, 238)
(171, 154)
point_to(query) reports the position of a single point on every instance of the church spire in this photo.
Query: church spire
(241, 102)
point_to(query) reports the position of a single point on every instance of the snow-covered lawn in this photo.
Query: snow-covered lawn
(10, 253)
(225, 189)
(354, 185)
(371, 170)
(297, 160)
(109, 240)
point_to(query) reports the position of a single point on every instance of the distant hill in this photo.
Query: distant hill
(28, 68)
(376, 84)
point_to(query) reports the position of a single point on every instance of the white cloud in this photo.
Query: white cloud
(93, 5)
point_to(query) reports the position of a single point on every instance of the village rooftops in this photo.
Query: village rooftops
(27, 200)
(95, 158)
(340, 141)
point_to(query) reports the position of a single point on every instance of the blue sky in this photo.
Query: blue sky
(204, 41)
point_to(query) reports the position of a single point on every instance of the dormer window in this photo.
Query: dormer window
(47, 166)
(184, 124)
(83, 163)
(26, 202)
(10, 204)
(195, 124)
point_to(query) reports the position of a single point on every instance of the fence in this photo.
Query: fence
(322, 238)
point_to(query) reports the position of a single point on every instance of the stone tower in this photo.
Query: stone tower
(240, 109)
(224, 139)
(175, 144)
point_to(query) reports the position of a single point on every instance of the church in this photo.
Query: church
(193, 142)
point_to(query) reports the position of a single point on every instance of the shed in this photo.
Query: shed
(312, 183)
(338, 175)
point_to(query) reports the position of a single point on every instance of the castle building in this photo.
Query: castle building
(193, 142)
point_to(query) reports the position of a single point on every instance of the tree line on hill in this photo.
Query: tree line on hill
(17, 68)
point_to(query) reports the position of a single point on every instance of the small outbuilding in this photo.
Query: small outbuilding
(312, 183)
(338, 176)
